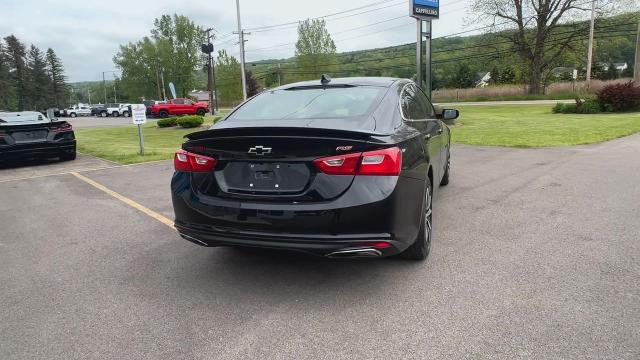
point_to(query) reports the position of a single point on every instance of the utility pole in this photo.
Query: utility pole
(104, 86)
(211, 75)
(636, 67)
(241, 39)
(89, 91)
(590, 53)
(158, 83)
(279, 80)
(164, 93)
(215, 87)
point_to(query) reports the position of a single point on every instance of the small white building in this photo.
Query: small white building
(619, 66)
(200, 95)
(483, 78)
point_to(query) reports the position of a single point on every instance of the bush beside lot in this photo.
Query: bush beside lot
(611, 98)
(620, 97)
(190, 121)
(168, 122)
(589, 106)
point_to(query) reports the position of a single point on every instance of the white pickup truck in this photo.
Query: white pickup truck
(116, 110)
(74, 111)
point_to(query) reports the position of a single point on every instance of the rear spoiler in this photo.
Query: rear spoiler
(281, 131)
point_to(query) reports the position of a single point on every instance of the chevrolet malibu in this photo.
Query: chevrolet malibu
(338, 168)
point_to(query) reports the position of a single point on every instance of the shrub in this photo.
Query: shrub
(558, 108)
(168, 122)
(190, 121)
(565, 108)
(591, 106)
(620, 97)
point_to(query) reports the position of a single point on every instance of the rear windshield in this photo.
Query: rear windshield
(310, 103)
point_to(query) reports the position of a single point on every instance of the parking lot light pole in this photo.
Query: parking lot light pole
(241, 41)
(104, 84)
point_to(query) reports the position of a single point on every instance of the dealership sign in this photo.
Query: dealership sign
(425, 9)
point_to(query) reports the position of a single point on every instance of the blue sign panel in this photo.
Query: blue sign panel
(425, 9)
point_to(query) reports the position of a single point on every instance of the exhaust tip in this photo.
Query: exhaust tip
(354, 253)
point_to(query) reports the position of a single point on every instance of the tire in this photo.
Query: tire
(447, 170)
(72, 115)
(125, 113)
(201, 112)
(103, 114)
(68, 156)
(115, 114)
(163, 114)
(421, 248)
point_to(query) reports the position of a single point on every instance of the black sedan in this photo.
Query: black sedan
(339, 168)
(30, 134)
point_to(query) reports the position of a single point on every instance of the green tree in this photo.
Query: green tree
(496, 76)
(541, 35)
(15, 55)
(228, 78)
(59, 87)
(463, 77)
(507, 75)
(315, 50)
(253, 87)
(172, 51)
(38, 82)
(7, 94)
(611, 72)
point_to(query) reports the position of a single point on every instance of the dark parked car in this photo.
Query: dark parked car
(29, 134)
(99, 110)
(343, 168)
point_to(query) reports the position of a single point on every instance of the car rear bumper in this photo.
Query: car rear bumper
(41, 149)
(376, 210)
(316, 244)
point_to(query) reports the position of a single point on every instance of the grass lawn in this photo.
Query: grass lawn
(120, 144)
(536, 126)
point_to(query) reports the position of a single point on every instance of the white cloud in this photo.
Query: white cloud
(86, 34)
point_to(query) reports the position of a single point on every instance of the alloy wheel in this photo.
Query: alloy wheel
(428, 219)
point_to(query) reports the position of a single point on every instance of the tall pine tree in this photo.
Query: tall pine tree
(17, 67)
(7, 93)
(58, 83)
(38, 82)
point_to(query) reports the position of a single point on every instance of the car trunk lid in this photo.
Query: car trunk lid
(274, 163)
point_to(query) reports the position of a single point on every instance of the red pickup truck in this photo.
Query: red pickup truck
(179, 106)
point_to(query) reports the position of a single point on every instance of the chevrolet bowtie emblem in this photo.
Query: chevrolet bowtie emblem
(260, 150)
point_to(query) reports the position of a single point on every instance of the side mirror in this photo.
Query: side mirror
(449, 116)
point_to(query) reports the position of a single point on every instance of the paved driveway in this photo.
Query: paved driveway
(535, 256)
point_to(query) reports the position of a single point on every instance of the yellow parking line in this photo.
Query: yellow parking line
(126, 200)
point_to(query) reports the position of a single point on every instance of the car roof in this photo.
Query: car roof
(355, 81)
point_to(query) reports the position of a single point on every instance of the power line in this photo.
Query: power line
(319, 17)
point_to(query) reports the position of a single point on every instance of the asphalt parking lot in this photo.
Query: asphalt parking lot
(536, 255)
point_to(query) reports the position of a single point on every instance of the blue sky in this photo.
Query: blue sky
(86, 34)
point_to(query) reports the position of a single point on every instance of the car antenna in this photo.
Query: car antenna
(325, 79)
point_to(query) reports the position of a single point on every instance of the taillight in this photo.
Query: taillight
(190, 162)
(339, 165)
(62, 128)
(378, 162)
